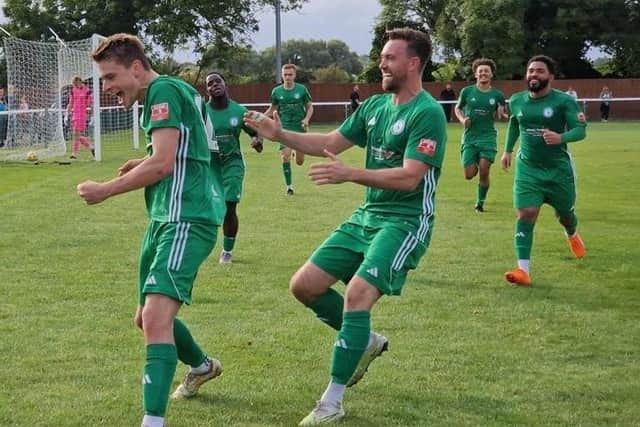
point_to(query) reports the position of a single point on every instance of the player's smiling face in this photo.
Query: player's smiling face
(538, 76)
(483, 74)
(394, 60)
(122, 81)
(216, 86)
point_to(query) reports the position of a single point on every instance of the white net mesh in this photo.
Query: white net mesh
(39, 77)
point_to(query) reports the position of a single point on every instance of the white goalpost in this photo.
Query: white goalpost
(39, 82)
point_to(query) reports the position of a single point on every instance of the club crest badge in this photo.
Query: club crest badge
(397, 127)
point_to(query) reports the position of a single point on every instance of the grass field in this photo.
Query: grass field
(466, 349)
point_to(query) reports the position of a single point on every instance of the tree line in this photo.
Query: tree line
(508, 31)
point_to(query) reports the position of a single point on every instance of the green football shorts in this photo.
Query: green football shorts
(294, 128)
(232, 177)
(382, 255)
(471, 153)
(170, 255)
(535, 185)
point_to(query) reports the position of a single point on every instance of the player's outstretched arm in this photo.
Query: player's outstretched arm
(313, 144)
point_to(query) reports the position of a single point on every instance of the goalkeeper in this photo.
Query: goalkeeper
(79, 103)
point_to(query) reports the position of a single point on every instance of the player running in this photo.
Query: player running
(293, 103)
(545, 120)
(227, 118)
(477, 107)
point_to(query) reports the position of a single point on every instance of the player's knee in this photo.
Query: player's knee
(154, 323)
(470, 172)
(528, 214)
(298, 289)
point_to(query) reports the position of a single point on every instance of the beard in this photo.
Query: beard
(538, 85)
(391, 84)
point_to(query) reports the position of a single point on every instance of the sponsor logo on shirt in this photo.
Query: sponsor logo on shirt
(373, 271)
(397, 127)
(160, 112)
(427, 146)
(382, 154)
(548, 112)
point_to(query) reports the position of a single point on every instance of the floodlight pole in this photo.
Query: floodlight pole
(278, 44)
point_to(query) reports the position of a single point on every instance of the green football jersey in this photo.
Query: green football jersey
(190, 193)
(391, 133)
(291, 105)
(227, 124)
(529, 117)
(481, 108)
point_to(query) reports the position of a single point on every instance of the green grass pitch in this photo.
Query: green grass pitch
(465, 348)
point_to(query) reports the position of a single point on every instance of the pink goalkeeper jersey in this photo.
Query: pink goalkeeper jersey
(80, 99)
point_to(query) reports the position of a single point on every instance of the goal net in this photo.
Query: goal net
(38, 122)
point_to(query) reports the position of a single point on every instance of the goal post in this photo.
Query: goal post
(39, 86)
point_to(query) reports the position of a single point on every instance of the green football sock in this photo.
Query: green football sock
(286, 169)
(189, 352)
(328, 308)
(350, 345)
(158, 375)
(570, 224)
(228, 243)
(482, 194)
(523, 240)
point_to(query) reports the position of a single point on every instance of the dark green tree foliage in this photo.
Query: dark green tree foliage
(167, 23)
(371, 72)
(510, 31)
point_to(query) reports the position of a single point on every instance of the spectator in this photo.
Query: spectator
(605, 96)
(572, 92)
(448, 94)
(355, 98)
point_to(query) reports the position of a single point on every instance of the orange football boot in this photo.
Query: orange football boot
(518, 277)
(577, 245)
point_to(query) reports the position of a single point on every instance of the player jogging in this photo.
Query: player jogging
(185, 206)
(545, 120)
(404, 135)
(227, 118)
(292, 101)
(477, 107)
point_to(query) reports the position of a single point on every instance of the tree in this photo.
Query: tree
(331, 74)
(371, 72)
(167, 23)
(510, 31)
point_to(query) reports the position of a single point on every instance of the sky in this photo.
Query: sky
(351, 21)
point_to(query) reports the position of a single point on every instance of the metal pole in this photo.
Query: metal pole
(278, 44)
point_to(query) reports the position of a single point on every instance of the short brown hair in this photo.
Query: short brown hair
(418, 42)
(483, 61)
(289, 67)
(123, 49)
